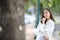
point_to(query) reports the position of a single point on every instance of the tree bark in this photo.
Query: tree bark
(12, 20)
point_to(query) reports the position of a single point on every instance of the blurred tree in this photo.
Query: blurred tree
(12, 19)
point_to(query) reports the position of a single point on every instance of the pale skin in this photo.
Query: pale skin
(47, 16)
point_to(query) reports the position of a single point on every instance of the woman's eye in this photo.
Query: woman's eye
(46, 12)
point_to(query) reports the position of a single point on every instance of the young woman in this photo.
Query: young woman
(46, 26)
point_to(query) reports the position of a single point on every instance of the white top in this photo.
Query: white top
(44, 29)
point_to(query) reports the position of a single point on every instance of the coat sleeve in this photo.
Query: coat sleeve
(39, 29)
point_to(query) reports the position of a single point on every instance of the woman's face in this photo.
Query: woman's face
(46, 14)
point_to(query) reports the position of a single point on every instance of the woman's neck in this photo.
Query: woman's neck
(48, 19)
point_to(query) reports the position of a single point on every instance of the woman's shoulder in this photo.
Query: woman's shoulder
(50, 21)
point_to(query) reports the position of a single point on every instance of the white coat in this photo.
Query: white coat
(43, 29)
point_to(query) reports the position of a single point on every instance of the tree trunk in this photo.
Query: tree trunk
(12, 20)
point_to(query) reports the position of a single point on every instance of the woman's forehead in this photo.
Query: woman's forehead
(45, 11)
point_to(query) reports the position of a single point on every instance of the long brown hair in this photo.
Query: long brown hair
(51, 16)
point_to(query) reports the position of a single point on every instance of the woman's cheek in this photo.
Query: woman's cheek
(45, 15)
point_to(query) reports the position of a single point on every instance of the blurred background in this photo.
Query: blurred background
(18, 18)
(33, 10)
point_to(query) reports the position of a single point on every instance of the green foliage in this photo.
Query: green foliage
(54, 5)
